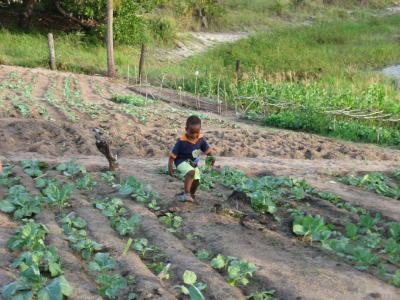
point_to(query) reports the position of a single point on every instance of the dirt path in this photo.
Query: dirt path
(197, 42)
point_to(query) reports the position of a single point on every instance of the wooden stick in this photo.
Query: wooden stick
(141, 62)
(52, 52)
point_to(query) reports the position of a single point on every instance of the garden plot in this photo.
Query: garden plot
(73, 104)
(123, 236)
(203, 234)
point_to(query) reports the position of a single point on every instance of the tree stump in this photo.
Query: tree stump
(103, 145)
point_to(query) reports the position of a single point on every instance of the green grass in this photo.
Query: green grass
(329, 64)
(320, 67)
(73, 52)
(332, 50)
(243, 14)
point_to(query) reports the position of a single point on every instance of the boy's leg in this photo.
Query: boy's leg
(196, 181)
(194, 187)
(190, 174)
(189, 178)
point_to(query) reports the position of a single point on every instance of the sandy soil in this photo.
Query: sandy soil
(148, 131)
(294, 268)
(142, 138)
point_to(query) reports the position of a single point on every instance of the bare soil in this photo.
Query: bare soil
(296, 269)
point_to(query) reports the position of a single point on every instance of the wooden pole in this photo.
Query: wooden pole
(237, 70)
(128, 74)
(110, 43)
(141, 62)
(52, 52)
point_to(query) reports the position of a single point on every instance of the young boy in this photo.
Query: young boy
(186, 155)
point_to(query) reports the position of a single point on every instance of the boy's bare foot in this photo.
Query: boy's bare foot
(185, 198)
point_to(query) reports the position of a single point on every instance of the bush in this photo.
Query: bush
(163, 28)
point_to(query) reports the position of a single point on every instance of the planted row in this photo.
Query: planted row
(99, 262)
(367, 243)
(40, 271)
(377, 182)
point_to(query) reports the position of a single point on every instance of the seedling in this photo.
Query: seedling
(172, 221)
(85, 183)
(102, 262)
(191, 286)
(20, 203)
(239, 271)
(71, 169)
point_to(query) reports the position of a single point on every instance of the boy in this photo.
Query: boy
(186, 155)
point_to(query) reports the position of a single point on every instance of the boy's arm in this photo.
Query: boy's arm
(171, 166)
(172, 156)
(213, 158)
(207, 150)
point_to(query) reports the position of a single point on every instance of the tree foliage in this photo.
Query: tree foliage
(135, 21)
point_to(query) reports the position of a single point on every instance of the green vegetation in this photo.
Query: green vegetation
(191, 286)
(172, 221)
(129, 99)
(6, 177)
(102, 263)
(293, 78)
(239, 271)
(118, 215)
(368, 244)
(377, 182)
(21, 203)
(40, 270)
(41, 274)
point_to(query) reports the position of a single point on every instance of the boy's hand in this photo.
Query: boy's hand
(171, 167)
(213, 161)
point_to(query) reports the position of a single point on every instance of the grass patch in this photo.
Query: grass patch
(129, 99)
(331, 65)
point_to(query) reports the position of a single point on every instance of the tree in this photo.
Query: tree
(26, 14)
(110, 44)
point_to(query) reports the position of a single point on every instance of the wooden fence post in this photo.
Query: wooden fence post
(141, 63)
(237, 70)
(52, 52)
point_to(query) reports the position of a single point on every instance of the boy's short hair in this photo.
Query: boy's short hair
(193, 120)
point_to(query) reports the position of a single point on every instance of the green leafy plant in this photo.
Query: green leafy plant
(161, 269)
(376, 181)
(85, 182)
(30, 236)
(20, 203)
(142, 246)
(191, 286)
(127, 226)
(102, 262)
(58, 195)
(239, 271)
(71, 168)
(33, 167)
(108, 177)
(263, 295)
(6, 177)
(114, 210)
(133, 187)
(34, 263)
(172, 221)
(129, 99)
(311, 227)
(202, 254)
(396, 278)
(111, 285)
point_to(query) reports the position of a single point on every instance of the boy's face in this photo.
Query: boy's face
(193, 131)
